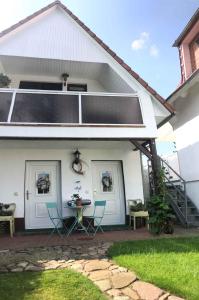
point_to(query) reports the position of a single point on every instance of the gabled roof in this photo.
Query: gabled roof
(99, 41)
(187, 28)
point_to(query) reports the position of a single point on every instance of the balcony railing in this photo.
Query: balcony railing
(54, 107)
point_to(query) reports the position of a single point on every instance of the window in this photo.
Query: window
(77, 87)
(34, 85)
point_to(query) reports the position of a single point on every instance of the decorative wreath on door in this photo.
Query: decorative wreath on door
(77, 163)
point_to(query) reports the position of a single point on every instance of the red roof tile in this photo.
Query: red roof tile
(187, 28)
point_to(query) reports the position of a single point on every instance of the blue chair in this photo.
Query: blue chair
(56, 218)
(98, 214)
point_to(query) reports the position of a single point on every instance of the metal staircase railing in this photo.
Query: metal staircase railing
(176, 192)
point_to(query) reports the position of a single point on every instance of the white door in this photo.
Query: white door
(108, 185)
(42, 185)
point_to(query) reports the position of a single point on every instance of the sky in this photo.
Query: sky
(141, 32)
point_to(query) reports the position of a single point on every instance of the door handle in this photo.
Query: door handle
(27, 195)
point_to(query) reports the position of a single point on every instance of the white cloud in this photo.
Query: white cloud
(140, 42)
(154, 51)
(144, 42)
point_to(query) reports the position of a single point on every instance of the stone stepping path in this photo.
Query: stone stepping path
(114, 281)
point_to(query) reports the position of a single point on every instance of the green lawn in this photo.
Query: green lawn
(48, 285)
(172, 264)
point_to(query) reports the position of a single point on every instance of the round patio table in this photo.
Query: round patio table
(78, 222)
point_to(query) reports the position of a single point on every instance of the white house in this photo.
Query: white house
(70, 91)
(185, 100)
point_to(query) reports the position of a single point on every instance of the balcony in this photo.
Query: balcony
(35, 107)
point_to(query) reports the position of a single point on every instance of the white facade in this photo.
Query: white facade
(15, 154)
(41, 50)
(185, 125)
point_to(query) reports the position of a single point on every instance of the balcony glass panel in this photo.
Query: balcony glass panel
(45, 108)
(111, 110)
(5, 101)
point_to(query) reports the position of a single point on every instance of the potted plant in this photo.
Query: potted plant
(161, 218)
(4, 81)
(77, 199)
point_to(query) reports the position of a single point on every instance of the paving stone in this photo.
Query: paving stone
(113, 267)
(115, 271)
(101, 251)
(70, 261)
(147, 291)
(96, 265)
(80, 261)
(107, 245)
(84, 255)
(91, 248)
(4, 251)
(22, 264)
(11, 266)
(122, 280)
(33, 268)
(99, 275)
(114, 292)
(51, 265)
(165, 296)
(122, 269)
(130, 293)
(66, 253)
(63, 266)
(174, 298)
(17, 269)
(104, 285)
(121, 298)
(93, 253)
(77, 267)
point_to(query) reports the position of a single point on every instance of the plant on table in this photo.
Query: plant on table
(77, 199)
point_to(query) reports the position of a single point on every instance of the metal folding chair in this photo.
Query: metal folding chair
(97, 216)
(56, 218)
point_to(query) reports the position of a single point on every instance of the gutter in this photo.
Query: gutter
(166, 120)
(192, 76)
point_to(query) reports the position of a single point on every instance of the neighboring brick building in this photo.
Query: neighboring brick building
(188, 45)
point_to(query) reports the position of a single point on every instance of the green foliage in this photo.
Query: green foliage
(4, 81)
(160, 214)
(161, 187)
(170, 263)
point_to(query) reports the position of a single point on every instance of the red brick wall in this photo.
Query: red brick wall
(194, 53)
